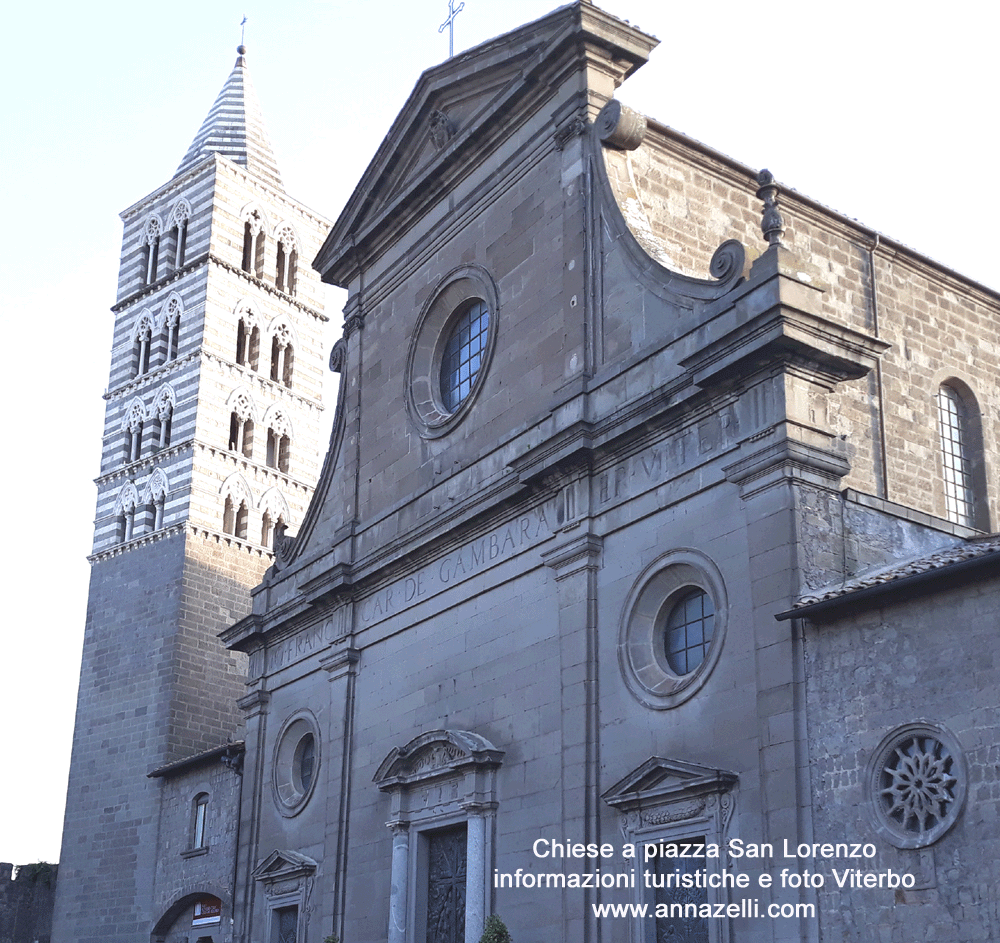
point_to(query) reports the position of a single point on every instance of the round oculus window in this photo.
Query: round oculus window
(296, 763)
(463, 352)
(688, 632)
(672, 629)
(451, 350)
(917, 783)
(305, 760)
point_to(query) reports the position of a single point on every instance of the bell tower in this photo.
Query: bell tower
(210, 450)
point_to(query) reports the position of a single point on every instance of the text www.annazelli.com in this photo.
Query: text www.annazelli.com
(747, 908)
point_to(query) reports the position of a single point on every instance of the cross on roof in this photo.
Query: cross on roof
(453, 11)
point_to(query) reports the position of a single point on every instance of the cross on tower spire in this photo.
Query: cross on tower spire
(453, 11)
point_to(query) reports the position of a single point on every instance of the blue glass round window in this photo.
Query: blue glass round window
(688, 631)
(463, 353)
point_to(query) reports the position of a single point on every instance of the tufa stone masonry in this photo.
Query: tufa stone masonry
(658, 511)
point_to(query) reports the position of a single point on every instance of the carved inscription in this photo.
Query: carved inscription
(667, 459)
(477, 555)
(290, 650)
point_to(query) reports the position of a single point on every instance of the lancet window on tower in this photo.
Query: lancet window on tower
(126, 523)
(286, 267)
(241, 424)
(132, 427)
(178, 232)
(241, 435)
(274, 516)
(277, 450)
(236, 515)
(236, 503)
(171, 329)
(154, 497)
(279, 437)
(248, 340)
(269, 527)
(253, 243)
(163, 412)
(143, 348)
(282, 355)
(150, 241)
(125, 507)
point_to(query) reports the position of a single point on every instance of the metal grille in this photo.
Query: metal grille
(463, 354)
(446, 885)
(954, 457)
(678, 928)
(689, 631)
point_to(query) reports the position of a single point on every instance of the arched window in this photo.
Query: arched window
(132, 426)
(962, 466)
(171, 329)
(199, 821)
(253, 243)
(282, 360)
(154, 498)
(178, 227)
(143, 345)
(282, 355)
(279, 431)
(126, 523)
(134, 442)
(277, 450)
(269, 528)
(165, 419)
(236, 505)
(150, 242)
(274, 516)
(287, 260)
(241, 435)
(241, 424)
(163, 412)
(125, 507)
(235, 517)
(248, 340)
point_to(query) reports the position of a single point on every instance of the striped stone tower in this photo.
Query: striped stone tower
(210, 449)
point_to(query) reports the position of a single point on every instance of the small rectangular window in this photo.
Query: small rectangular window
(678, 908)
(284, 925)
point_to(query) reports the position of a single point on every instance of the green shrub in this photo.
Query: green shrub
(495, 931)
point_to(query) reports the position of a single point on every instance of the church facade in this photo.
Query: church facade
(656, 517)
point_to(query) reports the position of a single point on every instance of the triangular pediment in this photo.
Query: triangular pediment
(458, 112)
(282, 865)
(661, 779)
(442, 120)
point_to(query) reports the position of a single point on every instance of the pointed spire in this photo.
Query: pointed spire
(235, 128)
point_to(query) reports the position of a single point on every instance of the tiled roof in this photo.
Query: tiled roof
(235, 128)
(971, 549)
(233, 749)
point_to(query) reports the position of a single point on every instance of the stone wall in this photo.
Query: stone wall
(26, 902)
(927, 659)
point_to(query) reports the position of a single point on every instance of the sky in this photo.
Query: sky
(881, 110)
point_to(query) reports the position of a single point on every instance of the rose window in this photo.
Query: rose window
(918, 785)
